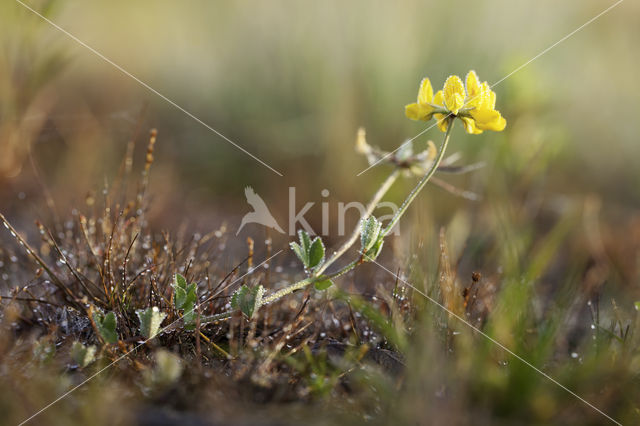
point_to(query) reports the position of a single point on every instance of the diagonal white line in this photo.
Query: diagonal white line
(145, 85)
(88, 379)
(495, 84)
(497, 343)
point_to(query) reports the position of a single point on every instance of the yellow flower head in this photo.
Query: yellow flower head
(472, 102)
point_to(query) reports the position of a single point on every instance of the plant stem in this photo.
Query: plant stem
(314, 278)
(287, 290)
(356, 231)
(317, 274)
(416, 190)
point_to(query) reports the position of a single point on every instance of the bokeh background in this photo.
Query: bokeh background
(292, 81)
(555, 234)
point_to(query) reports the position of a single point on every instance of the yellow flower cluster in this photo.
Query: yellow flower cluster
(474, 104)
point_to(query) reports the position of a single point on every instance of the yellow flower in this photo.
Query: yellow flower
(454, 94)
(472, 102)
(422, 110)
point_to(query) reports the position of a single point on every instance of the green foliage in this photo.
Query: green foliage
(384, 325)
(184, 298)
(310, 252)
(371, 237)
(323, 285)
(83, 355)
(106, 324)
(316, 253)
(248, 300)
(150, 320)
(322, 379)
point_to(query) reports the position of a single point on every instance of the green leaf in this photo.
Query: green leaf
(150, 320)
(305, 240)
(369, 232)
(316, 253)
(637, 306)
(299, 251)
(189, 317)
(395, 335)
(181, 281)
(373, 253)
(185, 297)
(106, 325)
(248, 300)
(83, 355)
(323, 285)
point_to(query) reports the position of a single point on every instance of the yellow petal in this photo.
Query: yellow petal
(443, 121)
(488, 97)
(475, 91)
(470, 125)
(425, 94)
(454, 94)
(438, 98)
(416, 111)
(472, 84)
(491, 96)
(487, 119)
(412, 111)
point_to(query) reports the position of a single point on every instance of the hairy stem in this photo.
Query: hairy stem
(356, 231)
(317, 274)
(416, 190)
(287, 290)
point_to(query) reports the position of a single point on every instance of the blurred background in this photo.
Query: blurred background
(554, 239)
(292, 81)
